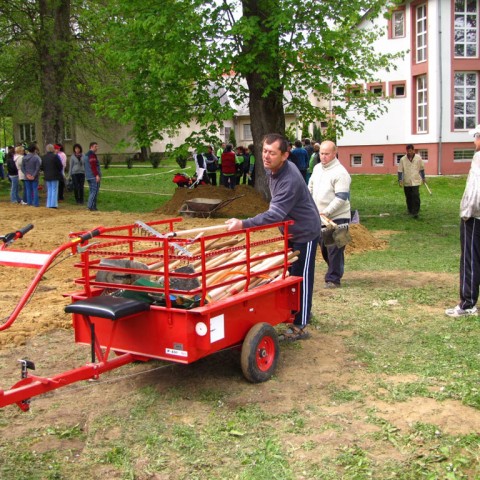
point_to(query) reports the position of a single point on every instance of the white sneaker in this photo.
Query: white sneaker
(459, 312)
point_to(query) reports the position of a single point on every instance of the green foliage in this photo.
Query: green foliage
(231, 138)
(153, 48)
(155, 159)
(6, 131)
(106, 160)
(305, 131)
(317, 133)
(182, 161)
(290, 133)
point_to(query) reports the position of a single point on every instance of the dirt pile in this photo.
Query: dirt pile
(363, 240)
(249, 204)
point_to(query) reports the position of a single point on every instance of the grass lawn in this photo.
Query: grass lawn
(393, 390)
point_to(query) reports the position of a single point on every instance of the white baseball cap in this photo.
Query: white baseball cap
(475, 130)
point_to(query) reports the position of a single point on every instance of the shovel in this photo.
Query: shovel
(333, 234)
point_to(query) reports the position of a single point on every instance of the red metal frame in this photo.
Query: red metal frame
(168, 332)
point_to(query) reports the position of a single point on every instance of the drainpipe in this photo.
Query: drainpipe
(440, 74)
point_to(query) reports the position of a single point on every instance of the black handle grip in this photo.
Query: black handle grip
(24, 230)
(90, 234)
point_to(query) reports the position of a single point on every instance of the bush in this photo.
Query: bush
(231, 137)
(107, 160)
(155, 158)
(182, 161)
(129, 162)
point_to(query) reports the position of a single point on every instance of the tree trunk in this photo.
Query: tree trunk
(267, 116)
(266, 110)
(54, 57)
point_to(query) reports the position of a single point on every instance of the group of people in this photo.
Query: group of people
(25, 167)
(234, 166)
(327, 194)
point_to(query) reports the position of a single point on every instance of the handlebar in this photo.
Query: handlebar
(91, 234)
(11, 237)
(23, 231)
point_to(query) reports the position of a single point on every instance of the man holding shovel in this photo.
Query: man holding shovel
(330, 189)
(291, 200)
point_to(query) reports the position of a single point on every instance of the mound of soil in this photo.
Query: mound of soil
(363, 240)
(248, 205)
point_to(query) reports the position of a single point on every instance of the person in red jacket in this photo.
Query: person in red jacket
(229, 167)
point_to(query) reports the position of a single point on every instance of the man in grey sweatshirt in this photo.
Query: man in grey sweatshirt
(291, 200)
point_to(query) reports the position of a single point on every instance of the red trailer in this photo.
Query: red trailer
(149, 291)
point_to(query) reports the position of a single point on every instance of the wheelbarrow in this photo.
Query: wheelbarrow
(204, 207)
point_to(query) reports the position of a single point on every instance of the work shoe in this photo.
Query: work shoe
(460, 312)
(331, 285)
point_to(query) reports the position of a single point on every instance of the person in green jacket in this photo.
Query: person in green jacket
(251, 169)
(314, 159)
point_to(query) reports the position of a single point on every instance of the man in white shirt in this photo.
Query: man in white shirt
(330, 189)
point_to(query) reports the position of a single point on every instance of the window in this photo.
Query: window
(398, 90)
(227, 134)
(247, 132)
(67, 130)
(421, 33)
(464, 155)
(27, 132)
(466, 28)
(398, 24)
(377, 89)
(356, 160)
(422, 104)
(354, 90)
(465, 100)
(377, 160)
(396, 158)
(423, 155)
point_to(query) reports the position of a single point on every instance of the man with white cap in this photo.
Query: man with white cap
(470, 238)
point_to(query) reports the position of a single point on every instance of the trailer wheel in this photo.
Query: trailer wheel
(260, 352)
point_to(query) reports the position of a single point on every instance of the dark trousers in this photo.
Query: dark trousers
(334, 258)
(61, 189)
(229, 181)
(78, 180)
(213, 178)
(469, 262)
(304, 267)
(412, 196)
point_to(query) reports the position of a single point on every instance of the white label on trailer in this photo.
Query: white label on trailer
(217, 328)
(178, 353)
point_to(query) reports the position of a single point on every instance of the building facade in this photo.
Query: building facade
(433, 94)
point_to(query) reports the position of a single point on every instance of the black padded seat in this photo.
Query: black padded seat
(112, 308)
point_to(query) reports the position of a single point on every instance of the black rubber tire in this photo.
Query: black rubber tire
(260, 351)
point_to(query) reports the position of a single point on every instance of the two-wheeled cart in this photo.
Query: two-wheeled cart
(150, 291)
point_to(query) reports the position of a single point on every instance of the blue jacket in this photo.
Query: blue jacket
(302, 157)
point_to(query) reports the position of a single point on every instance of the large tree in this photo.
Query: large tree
(197, 60)
(46, 61)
